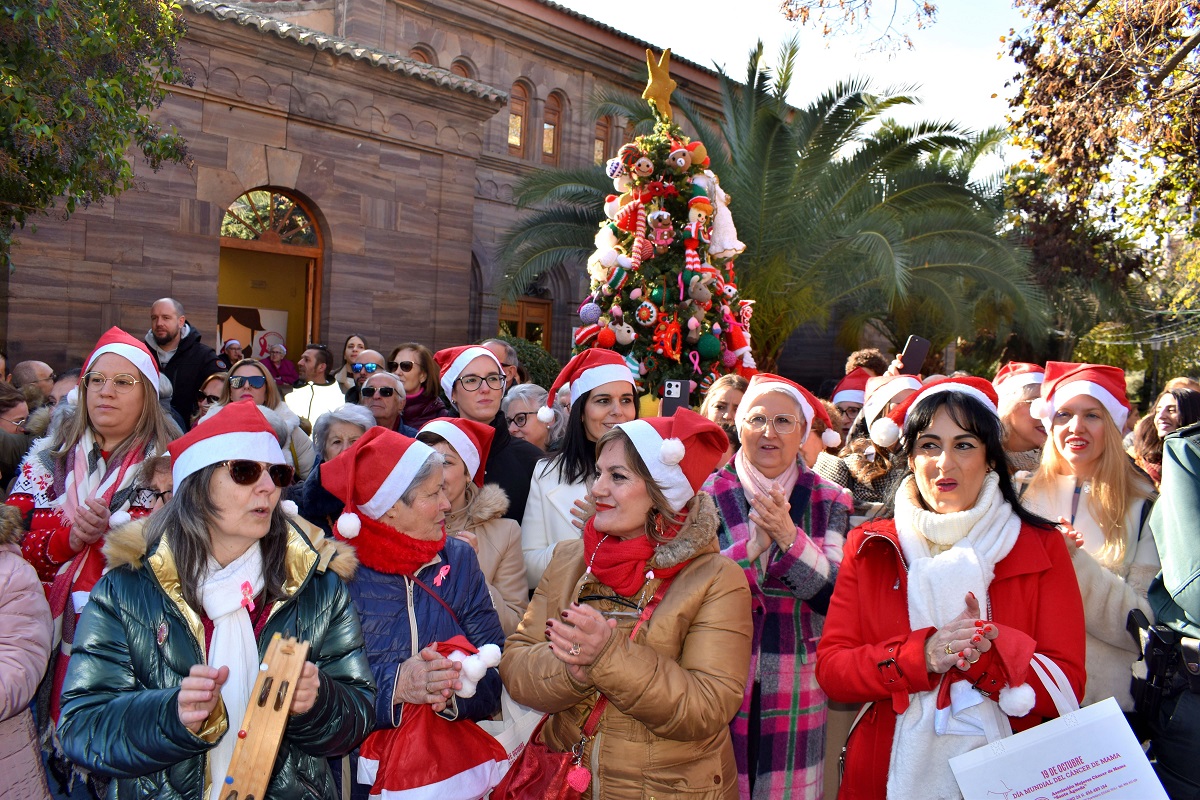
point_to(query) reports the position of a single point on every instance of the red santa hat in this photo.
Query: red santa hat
(585, 372)
(881, 390)
(231, 343)
(236, 431)
(663, 443)
(852, 388)
(453, 360)
(886, 430)
(1065, 380)
(372, 474)
(471, 440)
(1014, 376)
(118, 342)
(810, 406)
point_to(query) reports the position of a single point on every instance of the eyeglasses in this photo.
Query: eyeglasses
(146, 497)
(782, 423)
(370, 368)
(16, 423)
(122, 383)
(384, 391)
(520, 419)
(508, 366)
(403, 366)
(247, 473)
(238, 381)
(208, 398)
(471, 383)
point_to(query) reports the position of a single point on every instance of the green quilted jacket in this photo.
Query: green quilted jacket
(137, 640)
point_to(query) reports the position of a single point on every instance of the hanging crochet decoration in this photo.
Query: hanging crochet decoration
(663, 288)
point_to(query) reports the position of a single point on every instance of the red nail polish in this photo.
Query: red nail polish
(962, 653)
(975, 638)
(563, 615)
(979, 623)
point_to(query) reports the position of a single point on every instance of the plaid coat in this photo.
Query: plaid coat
(789, 601)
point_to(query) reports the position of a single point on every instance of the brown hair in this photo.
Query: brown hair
(870, 358)
(658, 501)
(730, 381)
(430, 387)
(272, 399)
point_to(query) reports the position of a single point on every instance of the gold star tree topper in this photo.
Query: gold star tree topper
(660, 86)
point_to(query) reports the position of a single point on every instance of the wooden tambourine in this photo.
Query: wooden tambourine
(266, 717)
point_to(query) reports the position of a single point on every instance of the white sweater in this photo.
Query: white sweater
(548, 518)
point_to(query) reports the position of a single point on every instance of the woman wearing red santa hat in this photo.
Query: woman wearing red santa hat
(1018, 384)
(167, 651)
(1087, 484)
(784, 525)
(78, 483)
(603, 395)
(477, 513)
(415, 587)
(956, 621)
(639, 634)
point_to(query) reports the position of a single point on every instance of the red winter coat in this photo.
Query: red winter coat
(868, 651)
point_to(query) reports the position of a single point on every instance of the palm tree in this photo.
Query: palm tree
(837, 207)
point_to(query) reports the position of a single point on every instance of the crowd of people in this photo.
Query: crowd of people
(771, 597)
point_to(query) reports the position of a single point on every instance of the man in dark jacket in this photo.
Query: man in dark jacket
(181, 356)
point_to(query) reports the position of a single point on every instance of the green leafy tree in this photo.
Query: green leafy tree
(837, 208)
(78, 79)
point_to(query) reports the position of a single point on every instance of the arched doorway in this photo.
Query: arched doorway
(269, 284)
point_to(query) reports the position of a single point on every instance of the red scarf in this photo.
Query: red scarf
(621, 564)
(385, 549)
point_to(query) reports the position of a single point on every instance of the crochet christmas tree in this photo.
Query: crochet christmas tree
(663, 285)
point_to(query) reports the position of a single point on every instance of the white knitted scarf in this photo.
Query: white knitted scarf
(227, 594)
(975, 540)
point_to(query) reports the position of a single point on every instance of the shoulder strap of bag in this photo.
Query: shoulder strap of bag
(593, 720)
(1056, 683)
(437, 597)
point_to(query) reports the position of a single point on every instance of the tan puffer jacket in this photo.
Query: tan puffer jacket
(672, 691)
(25, 630)
(498, 548)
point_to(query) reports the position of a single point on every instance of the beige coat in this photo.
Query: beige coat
(25, 630)
(672, 691)
(498, 548)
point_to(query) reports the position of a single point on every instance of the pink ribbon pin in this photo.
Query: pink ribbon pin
(248, 596)
(442, 574)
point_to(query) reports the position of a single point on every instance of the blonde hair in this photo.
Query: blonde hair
(1116, 486)
(272, 399)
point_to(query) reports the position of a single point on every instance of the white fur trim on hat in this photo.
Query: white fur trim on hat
(957, 388)
(830, 438)
(545, 415)
(849, 396)
(1017, 701)
(1073, 389)
(598, 376)
(1014, 384)
(666, 473)
(460, 363)
(757, 390)
(259, 446)
(461, 443)
(398, 480)
(136, 355)
(874, 404)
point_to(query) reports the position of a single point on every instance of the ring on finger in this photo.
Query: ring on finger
(978, 656)
(575, 649)
(949, 649)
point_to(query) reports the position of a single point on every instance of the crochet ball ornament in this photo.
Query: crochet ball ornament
(589, 313)
(606, 338)
(709, 347)
(646, 314)
(729, 358)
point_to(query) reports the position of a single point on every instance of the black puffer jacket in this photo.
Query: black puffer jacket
(137, 640)
(192, 363)
(510, 466)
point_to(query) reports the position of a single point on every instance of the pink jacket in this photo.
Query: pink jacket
(25, 631)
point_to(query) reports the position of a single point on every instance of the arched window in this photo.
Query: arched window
(518, 111)
(551, 127)
(462, 69)
(423, 55)
(600, 145)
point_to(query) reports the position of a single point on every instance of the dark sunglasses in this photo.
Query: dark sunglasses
(247, 473)
(403, 366)
(370, 368)
(255, 381)
(207, 398)
(147, 497)
(384, 391)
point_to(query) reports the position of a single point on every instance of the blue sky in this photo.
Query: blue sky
(955, 63)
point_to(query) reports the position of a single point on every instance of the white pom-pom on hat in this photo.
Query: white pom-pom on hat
(545, 415)
(885, 432)
(1017, 701)
(490, 653)
(289, 507)
(1039, 408)
(348, 525)
(118, 519)
(671, 452)
(830, 438)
